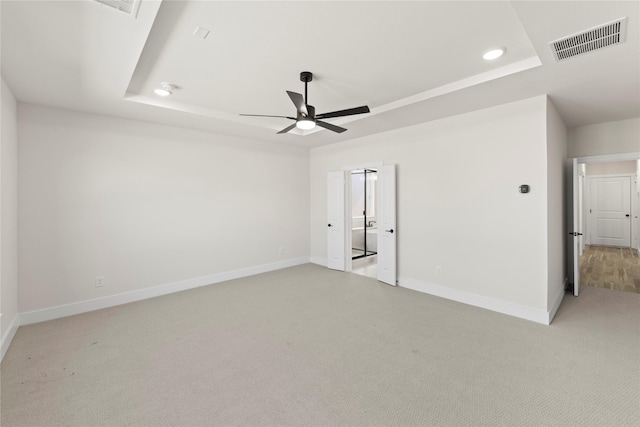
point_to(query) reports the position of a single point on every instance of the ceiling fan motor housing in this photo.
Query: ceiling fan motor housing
(311, 113)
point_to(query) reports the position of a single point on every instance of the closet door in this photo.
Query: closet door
(387, 232)
(572, 206)
(335, 221)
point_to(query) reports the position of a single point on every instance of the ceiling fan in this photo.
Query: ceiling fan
(306, 117)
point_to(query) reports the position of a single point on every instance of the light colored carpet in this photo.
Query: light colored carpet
(311, 346)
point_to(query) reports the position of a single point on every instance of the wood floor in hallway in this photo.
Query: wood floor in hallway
(611, 268)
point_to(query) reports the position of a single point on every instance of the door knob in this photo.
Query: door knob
(389, 231)
(330, 225)
(627, 215)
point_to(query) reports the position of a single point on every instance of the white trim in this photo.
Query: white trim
(155, 291)
(362, 166)
(610, 157)
(8, 336)
(613, 175)
(634, 211)
(348, 217)
(500, 306)
(318, 260)
(496, 73)
(586, 220)
(557, 301)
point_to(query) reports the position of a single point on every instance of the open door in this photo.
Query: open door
(573, 249)
(387, 232)
(335, 221)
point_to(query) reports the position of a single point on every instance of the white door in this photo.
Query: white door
(387, 232)
(573, 254)
(335, 221)
(610, 211)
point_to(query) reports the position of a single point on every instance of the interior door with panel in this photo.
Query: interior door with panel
(610, 211)
(572, 205)
(387, 230)
(336, 243)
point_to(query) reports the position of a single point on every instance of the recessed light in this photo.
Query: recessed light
(165, 89)
(494, 53)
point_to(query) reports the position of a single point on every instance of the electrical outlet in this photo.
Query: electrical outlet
(438, 270)
(99, 281)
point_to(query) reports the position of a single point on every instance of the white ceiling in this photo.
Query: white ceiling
(410, 62)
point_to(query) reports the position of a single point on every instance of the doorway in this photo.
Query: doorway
(609, 200)
(340, 218)
(364, 230)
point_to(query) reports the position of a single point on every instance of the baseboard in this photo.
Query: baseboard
(155, 291)
(8, 336)
(500, 306)
(557, 301)
(319, 261)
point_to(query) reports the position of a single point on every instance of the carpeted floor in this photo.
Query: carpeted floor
(311, 346)
(611, 268)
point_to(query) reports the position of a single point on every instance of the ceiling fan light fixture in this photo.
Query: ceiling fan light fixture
(494, 53)
(165, 89)
(306, 118)
(305, 124)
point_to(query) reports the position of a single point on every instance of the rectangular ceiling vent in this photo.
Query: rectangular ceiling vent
(129, 7)
(596, 38)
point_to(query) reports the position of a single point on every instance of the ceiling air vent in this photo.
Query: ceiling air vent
(130, 7)
(596, 38)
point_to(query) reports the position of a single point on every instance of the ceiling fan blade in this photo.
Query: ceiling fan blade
(288, 128)
(342, 113)
(298, 101)
(263, 115)
(330, 126)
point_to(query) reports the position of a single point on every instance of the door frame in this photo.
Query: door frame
(348, 220)
(633, 189)
(620, 157)
(572, 243)
(582, 208)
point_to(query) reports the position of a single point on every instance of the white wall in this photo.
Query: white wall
(8, 217)
(458, 200)
(146, 205)
(556, 224)
(612, 168)
(605, 138)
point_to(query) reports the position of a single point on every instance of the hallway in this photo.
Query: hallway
(611, 268)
